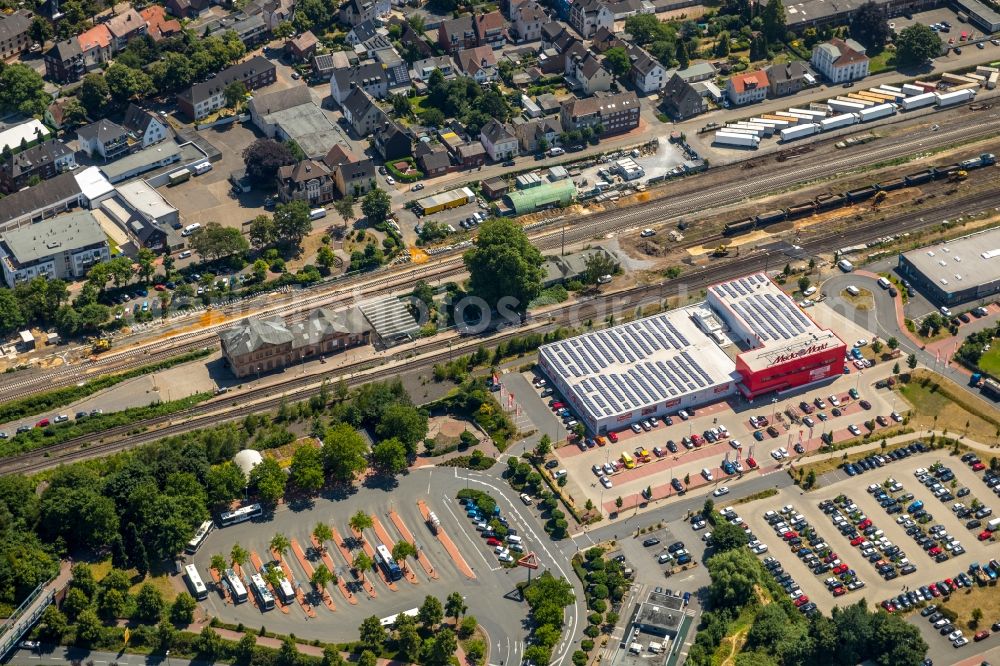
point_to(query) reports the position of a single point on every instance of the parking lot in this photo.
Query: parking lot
(936, 17)
(458, 559)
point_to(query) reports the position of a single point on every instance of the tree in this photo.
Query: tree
(22, 89)
(11, 316)
(681, 54)
(321, 577)
(405, 423)
(430, 613)
(263, 158)
(344, 453)
(619, 502)
(895, 368)
(326, 258)
(911, 361)
(182, 610)
(758, 47)
(262, 232)
(126, 83)
(362, 562)
(306, 470)
(774, 20)
(214, 241)
(345, 208)
(367, 658)
(722, 44)
(870, 26)
(734, 575)
(804, 283)
(280, 544)
(617, 61)
(892, 343)
(728, 537)
(439, 650)
(597, 265)
(292, 223)
(40, 30)
(454, 606)
(53, 625)
(245, 647)
(402, 550)
(238, 555)
(361, 521)
(224, 483)
(504, 266)
(218, 562)
(149, 604)
(543, 447)
(268, 480)
(408, 639)
(389, 457)
(376, 206)
(916, 45)
(371, 634)
(877, 346)
(88, 627)
(235, 93)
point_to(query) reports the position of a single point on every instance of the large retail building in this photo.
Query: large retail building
(747, 337)
(960, 271)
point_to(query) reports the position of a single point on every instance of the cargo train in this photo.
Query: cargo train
(828, 201)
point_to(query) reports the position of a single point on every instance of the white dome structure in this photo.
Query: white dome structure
(246, 460)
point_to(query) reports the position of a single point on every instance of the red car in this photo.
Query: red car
(160, 287)
(493, 542)
(613, 436)
(801, 600)
(888, 606)
(934, 591)
(865, 524)
(982, 635)
(935, 551)
(697, 439)
(984, 535)
(42, 424)
(978, 467)
(857, 540)
(787, 536)
(556, 406)
(840, 568)
(751, 463)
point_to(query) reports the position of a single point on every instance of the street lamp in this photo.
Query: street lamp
(168, 657)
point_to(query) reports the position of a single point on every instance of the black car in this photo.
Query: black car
(651, 542)
(928, 611)
(973, 524)
(671, 446)
(674, 547)
(552, 464)
(676, 485)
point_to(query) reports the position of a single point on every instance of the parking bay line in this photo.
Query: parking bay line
(447, 505)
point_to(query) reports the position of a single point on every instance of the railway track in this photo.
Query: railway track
(350, 290)
(302, 388)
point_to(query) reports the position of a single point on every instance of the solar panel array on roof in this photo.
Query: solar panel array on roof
(763, 308)
(637, 364)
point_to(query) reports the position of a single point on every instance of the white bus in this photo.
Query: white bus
(240, 515)
(264, 596)
(194, 582)
(285, 589)
(384, 559)
(236, 587)
(199, 537)
(391, 620)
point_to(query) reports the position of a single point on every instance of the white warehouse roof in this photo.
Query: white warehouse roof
(640, 364)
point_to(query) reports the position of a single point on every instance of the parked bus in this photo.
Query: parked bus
(628, 460)
(388, 565)
(240, 515)
(199, 537)
(194, 582)
(236, 587)
(391, 620)
(264, 596)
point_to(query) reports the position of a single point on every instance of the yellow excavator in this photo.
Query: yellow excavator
(721, 251)
(101, 345)
(958, 176)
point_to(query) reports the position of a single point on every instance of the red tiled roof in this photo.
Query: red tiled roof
(749, 81)
(97, 37)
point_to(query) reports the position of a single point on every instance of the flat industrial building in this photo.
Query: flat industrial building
(959, 271)
(800, 14)
(748, 336)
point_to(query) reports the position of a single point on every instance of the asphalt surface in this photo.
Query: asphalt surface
(60, 656)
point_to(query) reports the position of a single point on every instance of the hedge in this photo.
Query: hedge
(412, 177)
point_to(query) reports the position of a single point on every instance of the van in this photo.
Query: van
(203, 167)
(845, 265)
(853, 291)
(191, 228)
(560, 474)
(885, 284)
(706, 473)
(556, 152)
(184, 255)
(317, 213)
(513, 538)
(526, 499)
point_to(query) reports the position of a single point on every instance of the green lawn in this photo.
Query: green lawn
(882, 62)
(990, 361)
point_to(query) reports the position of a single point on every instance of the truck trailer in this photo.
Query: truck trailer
(918, 101)
(956, 97)
(799, 131)
(910, 90)
(724, 138)
(841, 106)
(876, 112)
(991, 82)
(836, 122)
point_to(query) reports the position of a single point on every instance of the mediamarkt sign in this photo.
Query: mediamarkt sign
(807, 351)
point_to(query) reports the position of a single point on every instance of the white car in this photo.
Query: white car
(760, 550)
(855, 430)
(783, 451)
(720, 491)
(506, 558)
(955, 635)
(960, 641)
(606, 482)
(861, 343)
(646, 233)
(698, 525)
(809, 291)
(735, 443)
(706, 536)
(738, 465)
(390, 180)
(835, 401)
(897, 417)
(776, 455)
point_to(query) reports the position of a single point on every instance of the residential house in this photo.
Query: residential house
(55, 114)
(499, 140)
(64, 61)
(308, 181)
(457, 34)
(531, 133)
(432, 158)
(479, 63)
(491, 29)
(556, 36)
(353, 177)
(787, 78)
(647, 75)
(64, 248)
(702, 71)
(409, 40)
(587, 16)
(187, 9)
(422, 68)
(145, 126)
(252, 30)
(361, 33)
(362, 113)
(302, 47)
(354, 12)
(204, 98)
(105, 138)
(527, 21)
(494, 188)
(396, 70)
(840, 61)
(470, 155)
(392, 141)
(291, 115)
(323, 66)
(276, 12)
(266, 344)
(369, 76)
(367, 48)
(586, 75)
(60, 194)
(158, 26)
(604, 113)
(97, 46)
(142, 161)
(14, 33)
(44, 161)
(623, 9)
(747, 87)
(680, 100)
(125, 26)
(605, 39)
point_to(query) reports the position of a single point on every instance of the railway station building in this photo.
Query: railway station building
(748, 337)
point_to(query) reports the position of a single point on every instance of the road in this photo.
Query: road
(60, 656)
